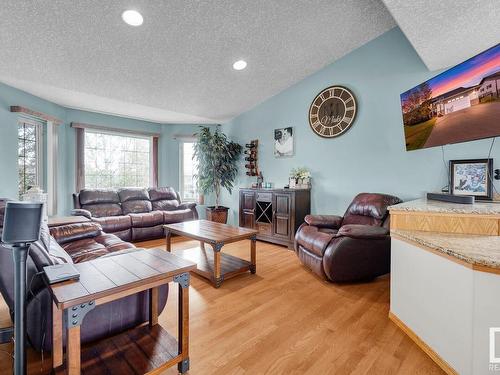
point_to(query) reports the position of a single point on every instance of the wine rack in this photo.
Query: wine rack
(251, 156)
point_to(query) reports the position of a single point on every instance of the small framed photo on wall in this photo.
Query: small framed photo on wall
(283, 142)
(472, 177)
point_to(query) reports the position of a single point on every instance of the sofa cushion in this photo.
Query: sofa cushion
(97, 196)
(137, 206)
(124, 235)
(170, 217)
(147, 233)
(46, 251)
(165, 205)
(370, 204)
(72, 232)
(361, 220)
(84, 250)
(104, 209)
(147, 219)
(328, 230)
(113, 224)
(162, 193)
(112, 243)
(133, 194)
(163, 198)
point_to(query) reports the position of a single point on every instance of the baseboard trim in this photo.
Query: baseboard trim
(422, 345)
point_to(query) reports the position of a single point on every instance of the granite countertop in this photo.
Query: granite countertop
(471, 248)
(424, 205)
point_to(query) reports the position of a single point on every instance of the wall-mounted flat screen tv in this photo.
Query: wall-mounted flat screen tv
(461, 104)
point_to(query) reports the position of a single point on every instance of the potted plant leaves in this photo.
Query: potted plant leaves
(217, 159)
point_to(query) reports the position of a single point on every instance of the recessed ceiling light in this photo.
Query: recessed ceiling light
(132, 17)
(240, 65)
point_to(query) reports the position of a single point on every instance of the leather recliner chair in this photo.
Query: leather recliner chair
(356, 246)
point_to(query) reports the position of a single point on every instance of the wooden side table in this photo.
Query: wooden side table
(104, 280)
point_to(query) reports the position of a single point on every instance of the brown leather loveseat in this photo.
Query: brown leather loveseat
(133, 214)
(354, 247)
(73, 243)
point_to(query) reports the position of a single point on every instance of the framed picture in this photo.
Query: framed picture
(472, 177)
(283, 142)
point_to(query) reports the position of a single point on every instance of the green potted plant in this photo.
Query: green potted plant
(217, 167)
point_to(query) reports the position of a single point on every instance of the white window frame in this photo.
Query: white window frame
(127, 135)
(181, 169)
(39, 154)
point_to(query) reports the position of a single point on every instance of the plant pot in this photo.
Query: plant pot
(219, 214)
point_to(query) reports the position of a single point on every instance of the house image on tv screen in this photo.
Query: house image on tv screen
(488, 89)
(458, 105)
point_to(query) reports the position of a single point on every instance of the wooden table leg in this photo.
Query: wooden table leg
(217, 276)
(202, 245)
(153, 306)
(168, 240)
(57, 343)
(73, 351)
(253, 255)
(183, 317)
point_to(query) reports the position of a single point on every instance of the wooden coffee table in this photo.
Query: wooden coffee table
(144, 349)
(214, 265)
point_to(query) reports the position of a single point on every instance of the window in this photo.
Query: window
(113, 160)
(188, 169)
(30, 153)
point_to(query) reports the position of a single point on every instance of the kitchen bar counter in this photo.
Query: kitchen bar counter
(470, 248)
(430, 206)
(445, 281)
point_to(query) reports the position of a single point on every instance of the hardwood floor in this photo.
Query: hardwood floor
(284, 320)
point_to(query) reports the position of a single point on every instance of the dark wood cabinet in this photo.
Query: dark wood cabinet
(275, 213)
(247, 210)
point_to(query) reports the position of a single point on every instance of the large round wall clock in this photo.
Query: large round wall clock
(332, 112)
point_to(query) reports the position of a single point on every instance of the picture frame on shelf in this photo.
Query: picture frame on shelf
(472, 177)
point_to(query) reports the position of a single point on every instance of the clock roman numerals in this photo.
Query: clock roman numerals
(332, 111)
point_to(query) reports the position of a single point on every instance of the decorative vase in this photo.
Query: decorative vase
(292, 182)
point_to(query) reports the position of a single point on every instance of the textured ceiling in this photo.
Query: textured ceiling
(177, 67)
(447, 32)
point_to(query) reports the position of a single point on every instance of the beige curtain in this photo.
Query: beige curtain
(80, 159)
(155, 162)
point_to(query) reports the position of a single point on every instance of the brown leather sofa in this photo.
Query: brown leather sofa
(352, 247)
(73, 243)
(133, 214)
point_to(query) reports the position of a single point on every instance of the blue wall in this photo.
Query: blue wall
(371, 156)
(168, 147)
